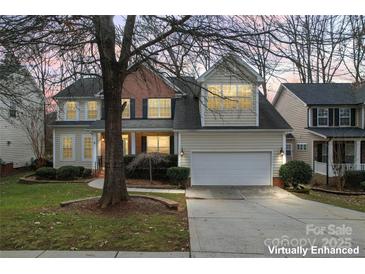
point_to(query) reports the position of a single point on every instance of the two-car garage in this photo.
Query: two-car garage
(231, 168)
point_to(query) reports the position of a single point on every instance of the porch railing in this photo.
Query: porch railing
(321, 168)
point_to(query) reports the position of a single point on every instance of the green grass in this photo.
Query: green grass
(30, 218)
(356, 202)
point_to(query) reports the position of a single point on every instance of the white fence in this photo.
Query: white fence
(321, 168)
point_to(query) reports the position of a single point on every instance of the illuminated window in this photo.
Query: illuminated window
(92, 111)
(67, 148)
(126, 114)
(88, 147)
(125, 144)
(159, 144)
(71, 110)
(228, 97)
(159, 108)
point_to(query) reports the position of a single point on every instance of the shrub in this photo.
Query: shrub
(362, 184)
(139, 167)
(68, 172)
(295, 172)
(81, 170)
(46, 173)
(87, 173)
(178, 175)
(353, 178)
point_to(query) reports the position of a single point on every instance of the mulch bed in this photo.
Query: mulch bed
(148, 184)
(134, 205)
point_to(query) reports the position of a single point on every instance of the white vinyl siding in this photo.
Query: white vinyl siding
(296, 116)
(232, 142)
(228, 117)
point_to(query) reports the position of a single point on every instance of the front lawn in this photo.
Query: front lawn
(30, 218)
(356, 202)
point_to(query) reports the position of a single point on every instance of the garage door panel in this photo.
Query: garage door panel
(231, 168)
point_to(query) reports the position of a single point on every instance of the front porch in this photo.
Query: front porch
(333, 157)
(136, 142)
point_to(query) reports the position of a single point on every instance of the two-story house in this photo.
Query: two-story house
(219, 125)
(328, 125)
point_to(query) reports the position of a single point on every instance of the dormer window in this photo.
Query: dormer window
(345, 117)
(229, 97)
(71, 110)
(92, 112)
(126, 114)
(322, 117)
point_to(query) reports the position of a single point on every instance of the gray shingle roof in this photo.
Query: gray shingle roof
(325, 94)
(351, 132)
(187, 115)
(85, 87)
(138, 124)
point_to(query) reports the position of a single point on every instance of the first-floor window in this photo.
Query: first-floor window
(288, 150)
(125, 144)
(88, 147)
(68, 148)
(159, 144)
(301, 147)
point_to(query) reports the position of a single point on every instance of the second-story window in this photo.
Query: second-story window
(322, 117)
(71, 110)
(126, 114)
(159, 108)
(345, 117)
(229, 97)
(92, 111)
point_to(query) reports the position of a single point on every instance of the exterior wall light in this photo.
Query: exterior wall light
(182, 152)
(281, 151)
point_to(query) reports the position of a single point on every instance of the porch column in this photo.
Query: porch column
(357, 154)
(176, 149)
(330, 158)
(284, 148)
(95, 150)
(133, 143)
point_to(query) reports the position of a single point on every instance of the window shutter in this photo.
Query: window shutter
(353, 117)
(330, 117)
(145, 108)
(102, 110)
(314, 117)
(144, 144)
(172, 144)
(132, 108)
(337, 117)
(172, 107)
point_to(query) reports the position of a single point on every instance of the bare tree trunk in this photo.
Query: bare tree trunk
(115, 189)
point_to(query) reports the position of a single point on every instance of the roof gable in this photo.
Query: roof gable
(234, 65)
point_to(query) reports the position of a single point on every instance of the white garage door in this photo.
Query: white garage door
(231, 168)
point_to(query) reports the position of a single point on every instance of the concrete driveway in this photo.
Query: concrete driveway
(244, 221)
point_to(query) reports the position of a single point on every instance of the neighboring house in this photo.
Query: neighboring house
(328, 125)
(18, 96)
(234, 141)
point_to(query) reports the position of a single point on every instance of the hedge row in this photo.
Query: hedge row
(63, 173)
(353, 178)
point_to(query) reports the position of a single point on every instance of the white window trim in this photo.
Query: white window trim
(254, 92)
(87, 110)
(73, 147)
(304, 145)
(318, 117)
(159, 108)
(291, 149)
(77, 111)
(339, 117)
(83, 146)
